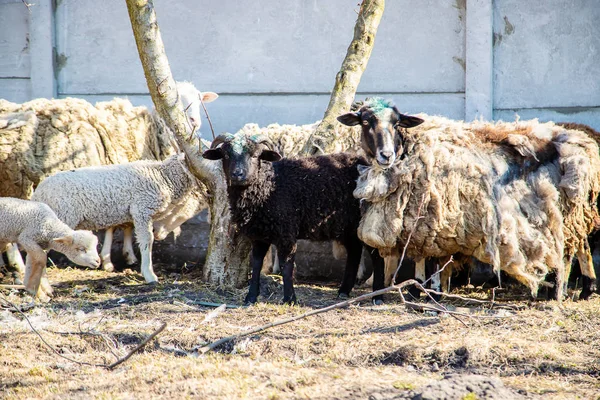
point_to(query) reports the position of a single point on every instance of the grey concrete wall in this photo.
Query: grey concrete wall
(547, 60)
(277, 62)
(273, 63)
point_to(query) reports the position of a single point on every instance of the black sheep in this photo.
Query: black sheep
(275, 201)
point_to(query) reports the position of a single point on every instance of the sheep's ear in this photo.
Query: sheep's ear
(66, 240)
(213, 154)
(207, 97)
(270, 155)
(407, 121)
(350, 119)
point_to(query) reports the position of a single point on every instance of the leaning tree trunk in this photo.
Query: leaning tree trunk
(227, 257)
(323, 140)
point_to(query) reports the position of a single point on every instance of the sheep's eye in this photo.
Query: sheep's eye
(365, 122)
(81, 249)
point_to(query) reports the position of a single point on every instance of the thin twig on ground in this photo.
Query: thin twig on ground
(20, 287)
(108, 366)
(138, 348)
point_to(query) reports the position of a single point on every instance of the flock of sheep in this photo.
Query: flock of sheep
(521, 196)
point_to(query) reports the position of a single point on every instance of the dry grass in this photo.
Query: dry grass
(541, 349)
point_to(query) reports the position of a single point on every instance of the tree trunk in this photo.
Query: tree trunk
(226, 263)
(323, 140)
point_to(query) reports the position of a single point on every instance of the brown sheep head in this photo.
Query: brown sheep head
(241, 156)
(381, 121)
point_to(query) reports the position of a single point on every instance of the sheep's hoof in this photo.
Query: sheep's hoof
(152, 283)
(588, 289)
(108, 267)
(343, 296)
(377, 301)
(250, 300)
(291, 301)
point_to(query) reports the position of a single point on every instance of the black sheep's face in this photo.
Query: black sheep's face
(380, 122)
(241, 159)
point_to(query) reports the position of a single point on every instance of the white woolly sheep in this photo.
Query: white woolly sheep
(43, 136)
(36, 228)
(137, 193)
(519, 196)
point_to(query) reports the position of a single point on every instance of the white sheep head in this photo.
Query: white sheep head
(190, 99)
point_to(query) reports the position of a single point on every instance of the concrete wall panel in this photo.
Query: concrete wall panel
(239, 47)
(14, 40)
(546, 53)
(15, 90)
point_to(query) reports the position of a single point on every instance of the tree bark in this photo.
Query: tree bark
(323, 140)
(226, 262)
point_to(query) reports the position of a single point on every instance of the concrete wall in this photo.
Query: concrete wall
(277, 62)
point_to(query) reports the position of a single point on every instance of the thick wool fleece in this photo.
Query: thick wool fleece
(520, 196)
(42, 137)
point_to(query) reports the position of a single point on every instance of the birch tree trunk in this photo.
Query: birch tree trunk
(323, 140)
(227, 257)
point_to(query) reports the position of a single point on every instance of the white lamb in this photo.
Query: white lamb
(36, 228)
(109, 117)
(104, 197)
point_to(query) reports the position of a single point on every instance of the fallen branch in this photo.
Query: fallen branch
(20, 287)
(138, 348)
(107, 366)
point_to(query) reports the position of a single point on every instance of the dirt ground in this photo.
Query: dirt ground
(515, 349)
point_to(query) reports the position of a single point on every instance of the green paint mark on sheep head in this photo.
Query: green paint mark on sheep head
(380, 107)
(239, 144)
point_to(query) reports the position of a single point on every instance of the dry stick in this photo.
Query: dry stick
(408, 239)
(12, 287)
(367, 296)
(207, 117)
(44, 341)
(138, 348)
(110, 366)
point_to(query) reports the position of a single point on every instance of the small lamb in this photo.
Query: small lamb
(36, 228)
(137, 193)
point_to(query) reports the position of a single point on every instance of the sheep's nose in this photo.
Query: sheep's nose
(385, 156)
(238, 174)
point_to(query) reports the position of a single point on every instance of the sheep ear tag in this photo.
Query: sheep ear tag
(66, 240)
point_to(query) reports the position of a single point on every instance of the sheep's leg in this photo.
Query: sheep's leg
(259, 249)
(3, 248)
(433, 265)
(276, 266)
(586, 264)
(362, 268)
(378, 273)
(392, 260)
(286, 260)
(35, 267)
(353, 252)
(267, 265)
(107, 264)
(145, 238)
(128, 252)
(15, 262)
